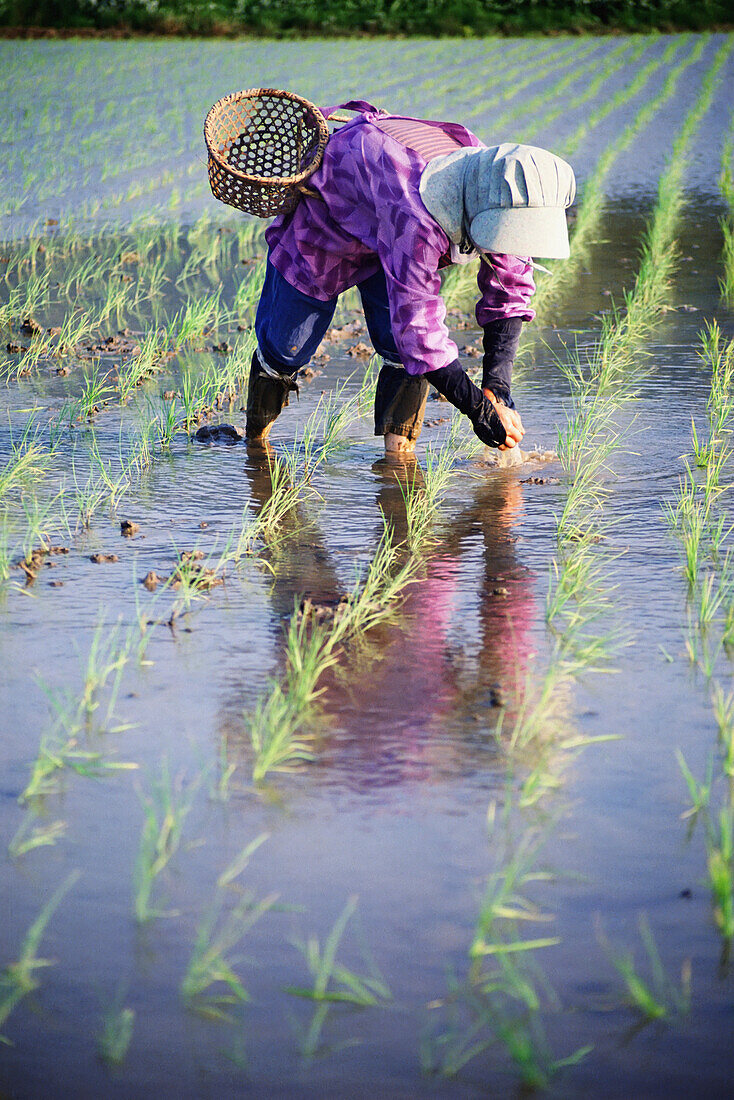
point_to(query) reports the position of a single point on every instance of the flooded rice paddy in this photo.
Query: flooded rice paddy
(489, 849)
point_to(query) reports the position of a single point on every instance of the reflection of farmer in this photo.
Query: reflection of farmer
(397, 200)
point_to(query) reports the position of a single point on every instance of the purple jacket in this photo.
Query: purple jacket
(369, 214)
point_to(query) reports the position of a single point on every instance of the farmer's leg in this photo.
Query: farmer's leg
(289, 326)
(400, 401)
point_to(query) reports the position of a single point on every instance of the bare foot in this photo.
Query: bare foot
(260, 440)
(396, 445)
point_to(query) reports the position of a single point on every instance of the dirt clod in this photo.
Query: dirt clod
(128, 528)
(151, 581)
(497, 697)
(218, 433)
(56, 584)
(323, 611)
(360, 351)
(100, 559)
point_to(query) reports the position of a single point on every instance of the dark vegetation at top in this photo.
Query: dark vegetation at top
(291, 18)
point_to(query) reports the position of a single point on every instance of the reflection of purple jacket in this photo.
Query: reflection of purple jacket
(370, 213)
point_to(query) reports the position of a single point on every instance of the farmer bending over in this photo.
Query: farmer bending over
(399, 199)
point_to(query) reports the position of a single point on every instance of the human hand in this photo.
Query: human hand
(510, 419)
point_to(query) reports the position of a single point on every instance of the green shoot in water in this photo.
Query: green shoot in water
(18, 979)
(211, 963)
(334, 983)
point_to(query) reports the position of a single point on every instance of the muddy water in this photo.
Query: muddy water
(394, 809)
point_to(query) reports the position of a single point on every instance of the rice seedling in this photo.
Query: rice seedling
(30, 836)
(113, 1041)
(720, 866)
(211, 963)
(197, 318)
(268, 526)
(657, 997)
(18, 978)
(130, 375)
(334, 983)
(88, 499)
(502, 1012)
(95, 391)
(27, 463)
(58, 754)
(723, 706)
(165, 807)
(699, 792)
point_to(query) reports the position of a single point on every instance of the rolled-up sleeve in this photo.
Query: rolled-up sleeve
(506, 286)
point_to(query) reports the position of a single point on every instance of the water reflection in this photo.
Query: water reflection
(420, 697)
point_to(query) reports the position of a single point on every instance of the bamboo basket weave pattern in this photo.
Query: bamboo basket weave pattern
(263, 144)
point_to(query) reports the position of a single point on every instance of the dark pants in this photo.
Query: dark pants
(290, 326)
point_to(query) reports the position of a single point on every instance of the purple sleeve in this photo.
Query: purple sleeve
(409, 244)
(506, 286)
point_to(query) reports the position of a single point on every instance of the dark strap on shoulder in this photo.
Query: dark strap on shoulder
(353, 105)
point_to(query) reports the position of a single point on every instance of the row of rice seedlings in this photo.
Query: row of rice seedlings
(19, 978)
(500, 1003)
(627, 54)
(694, 520)
(726, 182)
(659, 255)
(718, 832)
(577, 597)
(276, 727)
(694, 516)
(598, 389)
(571, 54)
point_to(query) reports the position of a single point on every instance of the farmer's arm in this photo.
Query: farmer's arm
(506, 285)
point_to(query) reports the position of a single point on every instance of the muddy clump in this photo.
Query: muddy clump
(33, 564)
(29, 326)
(214, 434)
(102, 559)
(128, 528)
(190, 571)
(322, 611)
